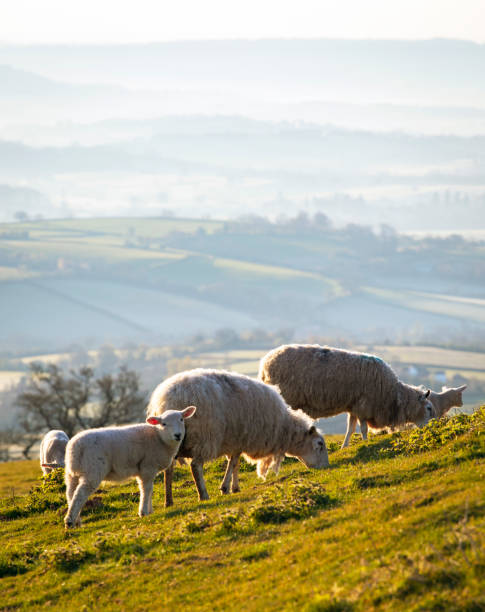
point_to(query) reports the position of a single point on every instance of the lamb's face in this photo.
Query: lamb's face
(426, 410)
(171, 426)
(313, 451)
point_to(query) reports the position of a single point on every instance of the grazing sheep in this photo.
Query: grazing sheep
(52, 450)
(324, 381)
(442, 402)
(235, 415)
(117, 453)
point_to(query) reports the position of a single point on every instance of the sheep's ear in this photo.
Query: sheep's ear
(427, 393)
(153, 420)
(461, 389)
(312, 430)
(188, 412)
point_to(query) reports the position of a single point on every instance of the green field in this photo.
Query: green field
(97, 272)
(468, 309)
(396, 524)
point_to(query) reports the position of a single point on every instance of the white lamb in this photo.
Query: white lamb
(53, 450)
(117, 453)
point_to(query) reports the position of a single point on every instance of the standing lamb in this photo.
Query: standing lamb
(53, 450)
(235, 415)
(442, 402)
(324, 381)
(447, 399)
(117, 453)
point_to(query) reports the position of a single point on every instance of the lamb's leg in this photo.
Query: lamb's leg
(232, 462)
(168, 479)
(363, 429)
(197, 468)
(71, 484)
(351, 424)
(81, 494)
(235, 478)
(145, 484)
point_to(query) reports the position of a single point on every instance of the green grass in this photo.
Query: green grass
(387, 527)
(431, 356)
(468, 309)
(115, 226)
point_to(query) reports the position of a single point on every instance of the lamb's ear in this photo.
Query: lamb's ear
(153, 420)
(188, 412)
(427, 393)
(312, 430)
(461, 389)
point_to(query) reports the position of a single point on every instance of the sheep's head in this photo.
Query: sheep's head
(171, 424)
(425, 409)
(312, 450)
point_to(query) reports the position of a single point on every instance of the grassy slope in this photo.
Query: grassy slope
(384, 529)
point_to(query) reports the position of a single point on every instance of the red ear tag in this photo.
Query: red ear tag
(153, 421)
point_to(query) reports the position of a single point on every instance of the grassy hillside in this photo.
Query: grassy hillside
(394, 524)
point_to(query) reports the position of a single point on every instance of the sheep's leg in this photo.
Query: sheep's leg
(351, 425)
(81, 494)
(71, 485)
(197, 468)
(363, 429)
(168, 479)
(232, 462)
(235, 478)
(145, 485)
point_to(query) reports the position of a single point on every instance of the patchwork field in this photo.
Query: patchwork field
(104, 273)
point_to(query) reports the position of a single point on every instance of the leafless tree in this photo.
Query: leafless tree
(76, 400)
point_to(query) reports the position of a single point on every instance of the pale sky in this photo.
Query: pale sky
(142, 21)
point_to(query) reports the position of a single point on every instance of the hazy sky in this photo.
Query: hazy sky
(122, 21)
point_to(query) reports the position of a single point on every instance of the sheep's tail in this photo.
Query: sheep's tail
(272, 462)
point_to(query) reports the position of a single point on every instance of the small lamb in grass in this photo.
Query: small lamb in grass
(53, 450)
(117, 453)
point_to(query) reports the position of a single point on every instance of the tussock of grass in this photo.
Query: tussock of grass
(437, 433)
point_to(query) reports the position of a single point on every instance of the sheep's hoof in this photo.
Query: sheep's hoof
(224, 490)
(68, 524)
(236, 490)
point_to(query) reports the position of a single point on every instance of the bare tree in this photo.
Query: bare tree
(76, 400)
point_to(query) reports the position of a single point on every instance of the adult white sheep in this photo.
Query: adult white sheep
(442, 402)
(117, 453)
(235, 415)
(324, 381)
(53, 450)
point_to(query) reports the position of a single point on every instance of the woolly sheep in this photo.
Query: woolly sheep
(235, 415)
(442, 402)
(117, 453)
(324, 381)
(52, 450)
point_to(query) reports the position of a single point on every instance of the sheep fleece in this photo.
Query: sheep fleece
(235, 414)
(325, 381)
